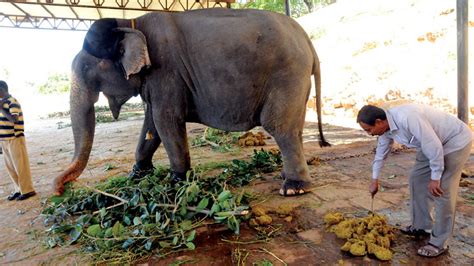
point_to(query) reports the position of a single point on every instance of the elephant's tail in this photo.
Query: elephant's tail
(317, 83)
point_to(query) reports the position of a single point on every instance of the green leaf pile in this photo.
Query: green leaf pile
(123, 219)
(221, 141)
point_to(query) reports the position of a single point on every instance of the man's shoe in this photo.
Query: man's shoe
(411, 231)
(13, 196)
(25, 196)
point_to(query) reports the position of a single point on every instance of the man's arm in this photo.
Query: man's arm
(11, 117)
(384, 145)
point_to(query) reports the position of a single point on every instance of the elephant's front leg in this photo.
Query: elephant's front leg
(173, 135)
(148, 143)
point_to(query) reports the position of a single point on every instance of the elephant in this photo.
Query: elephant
(228, 69)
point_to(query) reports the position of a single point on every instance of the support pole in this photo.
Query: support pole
(287, 8)
(462, 41)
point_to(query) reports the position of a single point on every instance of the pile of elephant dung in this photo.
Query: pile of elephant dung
(371, 234)
(262, 217)
(251, 139)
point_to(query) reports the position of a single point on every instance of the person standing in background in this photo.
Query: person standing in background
(12, 138)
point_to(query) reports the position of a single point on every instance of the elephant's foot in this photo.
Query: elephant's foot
(139, 172)
(177, 177)
(294, 187)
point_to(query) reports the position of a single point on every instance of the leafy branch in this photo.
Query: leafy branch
(124, 219)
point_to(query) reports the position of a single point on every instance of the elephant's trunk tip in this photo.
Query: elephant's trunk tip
(70, 174)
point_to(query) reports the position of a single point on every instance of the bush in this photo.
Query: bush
(56, 83)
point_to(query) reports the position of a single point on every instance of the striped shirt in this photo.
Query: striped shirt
(8, 129)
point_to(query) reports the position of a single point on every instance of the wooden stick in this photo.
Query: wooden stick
(275, 256)
(104, 193)
(122, 201)
(110, 207)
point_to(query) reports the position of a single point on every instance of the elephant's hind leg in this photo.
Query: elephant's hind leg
(295, 168)
(284, 119)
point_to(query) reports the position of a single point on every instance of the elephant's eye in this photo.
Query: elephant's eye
(122, 50)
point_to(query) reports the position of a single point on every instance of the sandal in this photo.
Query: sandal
(411, 231)
(431, 251)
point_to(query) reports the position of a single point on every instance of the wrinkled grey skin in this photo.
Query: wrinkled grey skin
(228, 69)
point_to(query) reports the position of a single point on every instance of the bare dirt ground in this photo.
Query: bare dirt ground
(340, 181)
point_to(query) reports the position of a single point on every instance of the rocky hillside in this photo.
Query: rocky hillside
(377, 50)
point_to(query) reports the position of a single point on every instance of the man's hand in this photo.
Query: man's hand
(374, 187)
(10, 117)
(435, 188)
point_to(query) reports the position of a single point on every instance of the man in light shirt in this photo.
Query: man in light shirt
(443, 144)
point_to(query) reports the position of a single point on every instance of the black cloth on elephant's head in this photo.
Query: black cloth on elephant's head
(102, 40)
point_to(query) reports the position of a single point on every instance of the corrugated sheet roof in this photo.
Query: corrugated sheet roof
(79, 14)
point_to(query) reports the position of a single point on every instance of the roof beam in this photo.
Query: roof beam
(31, 22)
(83, 6)
(74, 12)
(47, 10)
(19, 8)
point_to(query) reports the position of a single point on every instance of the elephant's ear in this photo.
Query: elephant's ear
(134, 52)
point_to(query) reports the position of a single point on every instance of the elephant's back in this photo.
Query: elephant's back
(229, 27)
(227, 13)
(247, 34)
(230, 19)
(232, 61)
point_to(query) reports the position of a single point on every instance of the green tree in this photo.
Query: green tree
(4, 74)
(56, 83)
(298, 7)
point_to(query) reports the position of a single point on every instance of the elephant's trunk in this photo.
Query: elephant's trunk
(82, 102)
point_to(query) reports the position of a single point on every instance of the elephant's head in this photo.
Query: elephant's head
(110, 62)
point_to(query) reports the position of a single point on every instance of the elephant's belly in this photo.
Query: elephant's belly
(232, 127)
(228, 121)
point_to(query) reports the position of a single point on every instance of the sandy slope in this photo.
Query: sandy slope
(371, 50)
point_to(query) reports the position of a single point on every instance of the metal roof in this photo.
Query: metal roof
(80, 14)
